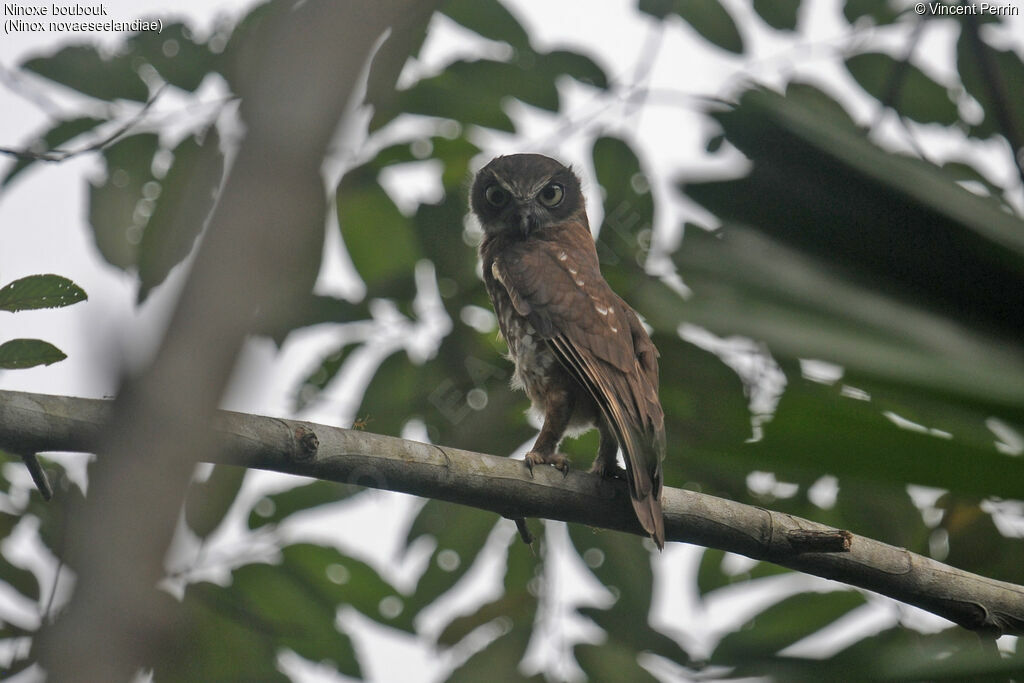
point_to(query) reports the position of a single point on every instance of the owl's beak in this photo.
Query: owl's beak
(528, 219)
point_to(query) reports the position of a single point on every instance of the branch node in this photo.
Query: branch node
(307, 444)
(815, 541)
(524, 531)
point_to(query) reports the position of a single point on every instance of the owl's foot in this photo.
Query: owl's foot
(556, 460)
(606, 470)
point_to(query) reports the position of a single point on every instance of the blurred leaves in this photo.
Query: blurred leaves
(370, 219)
(114, 203)
(990, 76)
(625, 234)
(82, 68)
(207, 502)
(529, 77)
(830, 248)
(903, 86)
(275, 508)
(50, 141)
(779, 14)
(776, 628)
(266, 609)
(898, 229)
(709, 18)
(178, 212)
(499, 660)
(174, 53)
(620, 564)
(490, 19)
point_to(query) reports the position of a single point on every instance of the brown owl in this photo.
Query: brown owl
(580, 352)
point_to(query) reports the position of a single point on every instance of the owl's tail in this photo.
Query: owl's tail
(629, 403)
(644, 450)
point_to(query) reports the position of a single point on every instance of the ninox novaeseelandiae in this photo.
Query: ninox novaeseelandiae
(581, 353)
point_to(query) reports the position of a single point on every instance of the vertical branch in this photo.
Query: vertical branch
(295, 76)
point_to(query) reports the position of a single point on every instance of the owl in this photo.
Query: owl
(580, 352)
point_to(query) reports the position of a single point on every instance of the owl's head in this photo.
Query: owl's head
(524, 192)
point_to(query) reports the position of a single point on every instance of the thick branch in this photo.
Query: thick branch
(31, 423)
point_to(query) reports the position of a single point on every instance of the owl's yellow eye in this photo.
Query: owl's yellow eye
(551, 196)
(496, 195)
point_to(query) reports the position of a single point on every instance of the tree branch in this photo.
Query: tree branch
(30, 423)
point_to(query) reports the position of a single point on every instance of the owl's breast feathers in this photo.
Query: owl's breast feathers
(553, 281)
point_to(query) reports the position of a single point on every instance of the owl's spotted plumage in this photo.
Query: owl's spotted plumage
(581, 354)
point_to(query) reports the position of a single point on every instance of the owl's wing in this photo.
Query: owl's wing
(556, 284)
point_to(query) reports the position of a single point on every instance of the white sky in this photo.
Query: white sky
(43, 229)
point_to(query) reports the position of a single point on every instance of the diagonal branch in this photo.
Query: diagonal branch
(30, 423)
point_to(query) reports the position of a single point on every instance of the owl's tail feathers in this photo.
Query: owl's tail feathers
(644, 450)
(648, 511)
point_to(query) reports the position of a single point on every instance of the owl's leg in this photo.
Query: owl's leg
(557, 412)
(606, 463)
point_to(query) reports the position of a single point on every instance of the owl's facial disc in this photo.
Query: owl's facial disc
(522, 193)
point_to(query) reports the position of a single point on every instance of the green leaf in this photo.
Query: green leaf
(488, 18)
(612, 659)
(976, 543)
(23, 581)
(40, 291)
(116, 222)
(378, 237)
(622, 564)
(578, 66)
(335, 579)
(316, 381)
(530, 78)
(710, 576)
(173, 52)
(27, 353)
(958, 254)
(819, 429)
(904, 87)
(310, 309)
(207, 502)
(277, 507)
(748, 284)
(708, 17)
(236, 632)
(989, 76)
(878, 11)
(82, 68)
(625, 235)
(460, 533)
(499, 660)
(962, 171)
(784, 624)
(779, 14)
(187, 194)
(51, 140)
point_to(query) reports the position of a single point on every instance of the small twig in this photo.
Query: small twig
(524, 531)
(57, 155)
(42, 482)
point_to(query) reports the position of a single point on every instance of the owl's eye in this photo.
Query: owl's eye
(551, 196)
(496, 195)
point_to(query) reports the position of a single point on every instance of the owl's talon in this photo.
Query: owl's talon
(556, 460)
(533, 458)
